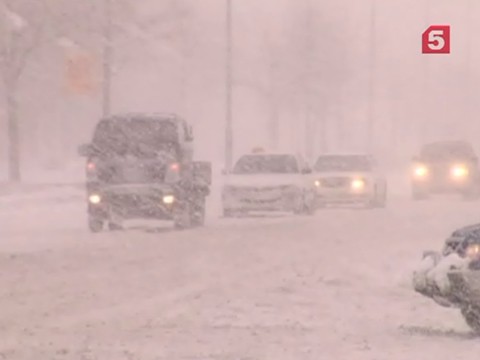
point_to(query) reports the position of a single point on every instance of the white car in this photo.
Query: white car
(268, 182)
(349, 179)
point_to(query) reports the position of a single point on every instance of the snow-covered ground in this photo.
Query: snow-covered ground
(332, 286)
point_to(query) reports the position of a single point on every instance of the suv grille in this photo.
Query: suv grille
(335, 182)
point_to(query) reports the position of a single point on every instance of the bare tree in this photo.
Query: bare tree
(319, 62)
(20, 33)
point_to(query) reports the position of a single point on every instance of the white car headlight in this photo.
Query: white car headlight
(420, 171)
(358, 184)
(95, 199)
(473, 251)
(459, 171)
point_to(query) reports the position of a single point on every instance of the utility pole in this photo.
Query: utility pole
(309, 125)
(229, 88)
(371, 81)
(469, 97)
(273, 127)
(425, 120)
(107, 57)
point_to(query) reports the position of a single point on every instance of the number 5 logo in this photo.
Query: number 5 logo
(436, 40)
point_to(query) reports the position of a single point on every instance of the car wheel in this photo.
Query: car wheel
(305, 206)
(113, 226)
(115, 221)
(310, 207)
(381, 201)
(472, 318)
(229, 213)
(198, 214)
(319, 203)
(95, 225)
(183, 216)
(371, 203)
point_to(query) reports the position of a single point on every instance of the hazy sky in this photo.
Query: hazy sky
(157, 74)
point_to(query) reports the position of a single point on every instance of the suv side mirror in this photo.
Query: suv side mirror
(85, 150)
(203, 172)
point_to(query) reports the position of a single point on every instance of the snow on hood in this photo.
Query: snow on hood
(262, 180)
(439, 274)
(431, 271)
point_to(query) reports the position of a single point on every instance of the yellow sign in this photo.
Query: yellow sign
(79, 76)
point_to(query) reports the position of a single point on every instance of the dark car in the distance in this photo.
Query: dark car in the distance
(446, 167)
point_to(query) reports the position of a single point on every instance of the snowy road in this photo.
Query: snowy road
(332, 286)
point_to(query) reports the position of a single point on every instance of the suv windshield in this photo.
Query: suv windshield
(136, 136)
(342, 163)
(446, 151)
(266, 164)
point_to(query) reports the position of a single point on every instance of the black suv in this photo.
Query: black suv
(446, 167)
(140, 166)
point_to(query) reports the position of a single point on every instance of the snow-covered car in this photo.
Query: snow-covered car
(349, 179)
(268, 182)
(452, 277)
(140, 166)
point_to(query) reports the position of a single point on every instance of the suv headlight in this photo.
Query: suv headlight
(459, 171)
(95, 199)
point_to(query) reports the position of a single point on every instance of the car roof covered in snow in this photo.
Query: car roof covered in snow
(149, 116)
(345, 154)
(468, 231)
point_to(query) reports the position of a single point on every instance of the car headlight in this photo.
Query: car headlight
(357, 184)
(168, 199)
(473, 251)
(420, 171)
(317, 183)
(95, 199)
(459, 171)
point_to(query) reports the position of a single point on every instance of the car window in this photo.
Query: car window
(445, 151)
(141, 137)
(266, 164)
(343, 163)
